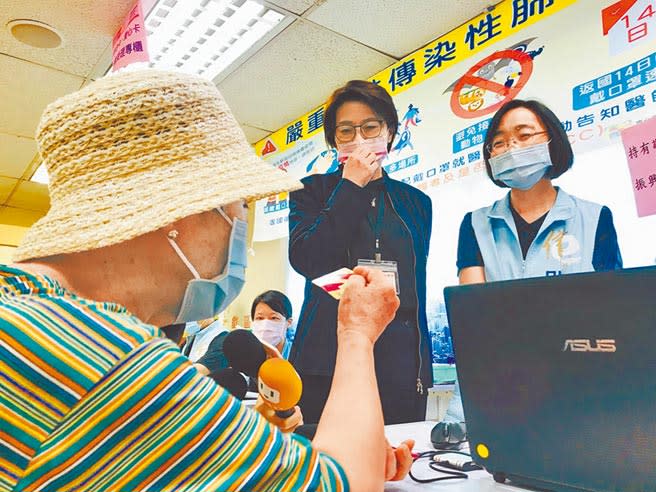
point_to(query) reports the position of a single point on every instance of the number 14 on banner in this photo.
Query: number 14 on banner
(628, 23)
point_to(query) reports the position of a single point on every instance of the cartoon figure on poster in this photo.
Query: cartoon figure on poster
(411, 118)
(491, 82)
(325, 162)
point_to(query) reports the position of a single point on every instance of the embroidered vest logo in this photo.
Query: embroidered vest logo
(563, 247)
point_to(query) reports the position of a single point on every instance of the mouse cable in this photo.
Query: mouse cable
(451, 474)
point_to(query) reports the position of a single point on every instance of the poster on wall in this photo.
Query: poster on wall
(560, 52)
(628, 23)
(640, 148)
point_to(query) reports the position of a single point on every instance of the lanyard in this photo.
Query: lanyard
(376, 227)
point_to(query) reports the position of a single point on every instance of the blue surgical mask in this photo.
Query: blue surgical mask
(522, 168)
(205, 298)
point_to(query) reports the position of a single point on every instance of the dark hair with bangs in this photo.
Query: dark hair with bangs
(560, 149)
(276, 300)
(373, 95)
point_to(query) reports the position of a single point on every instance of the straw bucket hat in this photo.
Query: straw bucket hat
(136, 151)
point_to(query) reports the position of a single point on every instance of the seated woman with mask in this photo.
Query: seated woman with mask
(271, 313)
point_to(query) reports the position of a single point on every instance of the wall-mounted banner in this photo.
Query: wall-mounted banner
(472, 87)
(447, 92)
(478, 35)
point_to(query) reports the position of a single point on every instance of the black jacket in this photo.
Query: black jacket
(324, 218)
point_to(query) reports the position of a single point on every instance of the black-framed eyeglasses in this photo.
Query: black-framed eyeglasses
(368, 129)
(501, 143)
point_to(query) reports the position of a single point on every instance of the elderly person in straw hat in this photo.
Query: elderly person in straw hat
(150, 175)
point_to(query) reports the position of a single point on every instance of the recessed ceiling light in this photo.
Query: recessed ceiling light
(34, 33)
(195, 33)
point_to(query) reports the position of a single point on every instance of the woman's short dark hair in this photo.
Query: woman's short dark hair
(373, 95)
(560, 149)
(275, 300)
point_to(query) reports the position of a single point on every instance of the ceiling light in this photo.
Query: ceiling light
(41, 175)
(34, 33)
(204, 37)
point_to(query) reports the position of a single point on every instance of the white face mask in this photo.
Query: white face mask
(205, 298)
(269, 330)
(377, 145)
(522, 168)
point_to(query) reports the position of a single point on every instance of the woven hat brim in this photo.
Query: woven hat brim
(124, 207)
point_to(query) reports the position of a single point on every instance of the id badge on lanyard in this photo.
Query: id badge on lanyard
(389, 268)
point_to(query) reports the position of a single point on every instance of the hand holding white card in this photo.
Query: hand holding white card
(333, 283)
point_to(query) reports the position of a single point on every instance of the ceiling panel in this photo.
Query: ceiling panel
(31, 196)
(102, 65)
(296, 72)
(295, 6)
(19, 216)
(16, 153)
(254, 134)
(393, 27)
(7, 185)
(86, 26)
(26, 89)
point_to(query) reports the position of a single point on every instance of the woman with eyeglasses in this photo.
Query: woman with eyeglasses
(537, 229)
(359, 215)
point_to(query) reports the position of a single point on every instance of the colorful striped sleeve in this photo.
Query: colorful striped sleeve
(153, 423)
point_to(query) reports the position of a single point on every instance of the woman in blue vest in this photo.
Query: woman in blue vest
(537, 229)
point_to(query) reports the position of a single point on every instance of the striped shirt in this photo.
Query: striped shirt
(94, 399)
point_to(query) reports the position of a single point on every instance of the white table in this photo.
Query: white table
(478, 481)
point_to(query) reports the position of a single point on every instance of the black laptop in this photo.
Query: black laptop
(558, 379)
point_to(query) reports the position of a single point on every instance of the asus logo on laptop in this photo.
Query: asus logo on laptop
(587, 345)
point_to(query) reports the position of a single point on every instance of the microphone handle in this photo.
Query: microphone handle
(283, 414)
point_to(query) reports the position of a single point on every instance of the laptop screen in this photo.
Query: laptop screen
(558, 378)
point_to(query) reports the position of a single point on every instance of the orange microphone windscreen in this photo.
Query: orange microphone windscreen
(279, 384)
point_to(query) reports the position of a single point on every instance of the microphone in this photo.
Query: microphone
(244, 351)
(232, 381)
(280, 386)
(278, 382)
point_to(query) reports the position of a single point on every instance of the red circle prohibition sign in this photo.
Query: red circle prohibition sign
(509, 93)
